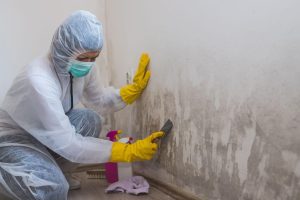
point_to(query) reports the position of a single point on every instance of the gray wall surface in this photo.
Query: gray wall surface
(228, 75)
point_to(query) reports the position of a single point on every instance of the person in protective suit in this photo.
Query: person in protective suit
(42, 135)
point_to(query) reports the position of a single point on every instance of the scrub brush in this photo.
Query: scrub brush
(96, 174)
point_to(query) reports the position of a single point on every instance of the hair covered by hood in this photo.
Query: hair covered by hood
(81, 32)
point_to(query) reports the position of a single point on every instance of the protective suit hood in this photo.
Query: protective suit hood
(81, 32)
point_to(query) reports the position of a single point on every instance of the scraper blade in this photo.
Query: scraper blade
(166, 129)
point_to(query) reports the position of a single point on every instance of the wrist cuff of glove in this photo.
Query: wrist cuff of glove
(119, 152)
(129, 94)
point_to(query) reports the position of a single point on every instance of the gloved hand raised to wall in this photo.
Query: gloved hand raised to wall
(131, 92)
(138, 151)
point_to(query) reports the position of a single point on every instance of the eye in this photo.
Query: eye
(83, 59)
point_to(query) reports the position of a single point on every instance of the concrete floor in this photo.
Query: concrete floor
(94, 189)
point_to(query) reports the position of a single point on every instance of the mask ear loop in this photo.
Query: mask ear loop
(71, 92)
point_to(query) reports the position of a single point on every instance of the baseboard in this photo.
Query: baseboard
(172, 191)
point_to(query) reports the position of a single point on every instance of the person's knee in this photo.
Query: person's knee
(86, 122)
(95, 122)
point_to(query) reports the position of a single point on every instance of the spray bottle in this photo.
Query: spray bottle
(113, 172)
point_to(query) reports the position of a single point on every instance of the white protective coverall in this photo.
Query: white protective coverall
(37, 102)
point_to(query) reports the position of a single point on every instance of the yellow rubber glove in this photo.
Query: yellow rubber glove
(131, 92)
(138, 151)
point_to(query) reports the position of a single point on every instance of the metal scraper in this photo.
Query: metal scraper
(166, 129)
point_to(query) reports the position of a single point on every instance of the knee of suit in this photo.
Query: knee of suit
(96, 121)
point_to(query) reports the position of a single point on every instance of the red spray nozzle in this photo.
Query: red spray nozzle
(113, 135)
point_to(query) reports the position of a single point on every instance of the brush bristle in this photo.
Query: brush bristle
(96, 174)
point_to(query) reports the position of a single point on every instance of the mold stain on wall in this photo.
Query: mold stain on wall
(217, 149)
(227, 74)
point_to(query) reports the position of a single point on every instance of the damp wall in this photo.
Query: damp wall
(227, 73)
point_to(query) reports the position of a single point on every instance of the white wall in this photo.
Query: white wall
(227, 73)
(27, 27)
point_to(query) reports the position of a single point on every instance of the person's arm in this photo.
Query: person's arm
(36, 107)
(105, 100)
(138, 151)
(101, 99)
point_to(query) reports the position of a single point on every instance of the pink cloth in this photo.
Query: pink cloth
(134, 185)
